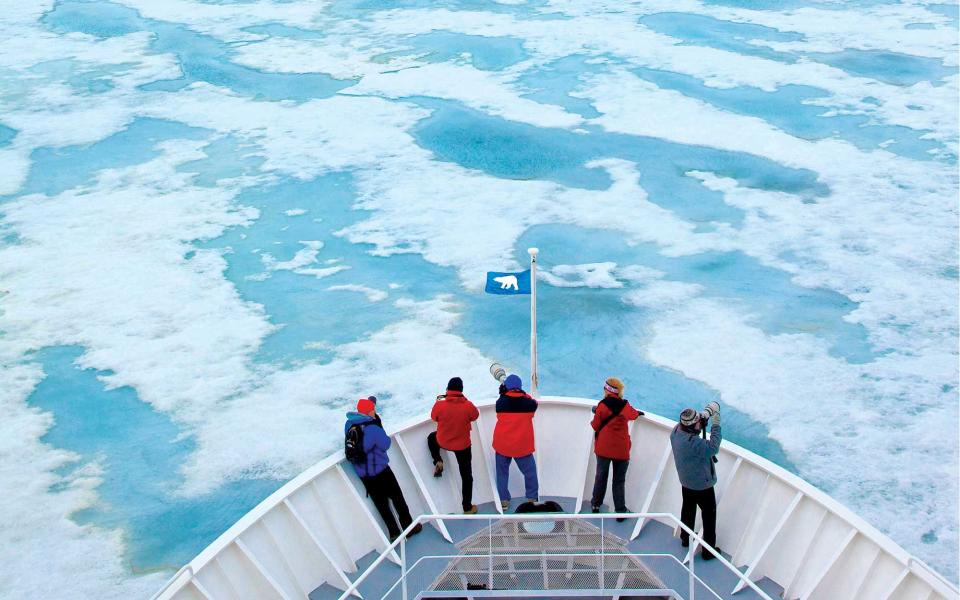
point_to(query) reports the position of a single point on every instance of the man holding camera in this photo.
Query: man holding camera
(695, 456)
(513, 439)
(454, 415)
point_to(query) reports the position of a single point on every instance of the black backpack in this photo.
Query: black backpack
(536, 507)
(353, 444)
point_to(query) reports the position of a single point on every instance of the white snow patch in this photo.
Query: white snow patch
(227, 21)
(305, 256)
(478, 89)
(126, 292)
(372, 294)
(595, 275)
(420, 207)
(322, 272)
(661, 294)
(355, 132)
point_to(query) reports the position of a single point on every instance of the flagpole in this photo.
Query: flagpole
(533, 321)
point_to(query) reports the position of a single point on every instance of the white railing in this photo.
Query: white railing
(187, 568)
(405, 571)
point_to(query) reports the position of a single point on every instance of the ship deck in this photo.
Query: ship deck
(655, 538)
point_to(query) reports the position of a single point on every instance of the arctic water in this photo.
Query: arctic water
(222, 222)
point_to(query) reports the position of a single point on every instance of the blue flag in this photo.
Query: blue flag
(508, 284)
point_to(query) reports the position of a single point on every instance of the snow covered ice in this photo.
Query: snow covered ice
(222, 222)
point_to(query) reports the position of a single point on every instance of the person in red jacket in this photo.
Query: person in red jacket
(454, 414)
(513, 439)
(612, 444)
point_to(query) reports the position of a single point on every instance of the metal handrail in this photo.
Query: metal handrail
(564, 555)
(176, 576)
(945, 585)
(426, 518)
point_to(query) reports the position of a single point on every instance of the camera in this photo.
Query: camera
(498, 372)
(712, 408)
(708, 411)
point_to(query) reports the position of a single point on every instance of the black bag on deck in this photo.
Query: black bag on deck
(537, 507)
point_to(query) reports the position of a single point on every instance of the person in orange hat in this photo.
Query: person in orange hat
(365, 446)
(612, 444)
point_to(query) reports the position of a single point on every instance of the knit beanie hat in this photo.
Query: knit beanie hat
(513, 382)
(689, 417)
(366, 405)
(614, 387)
(455, 384)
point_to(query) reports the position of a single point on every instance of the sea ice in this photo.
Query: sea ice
(162, 150)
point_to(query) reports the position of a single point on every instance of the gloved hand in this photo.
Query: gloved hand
(714, 408)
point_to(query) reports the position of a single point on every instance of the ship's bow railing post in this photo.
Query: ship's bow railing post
(489, 554)
(603, 552)
(693, 579)
(403, 565)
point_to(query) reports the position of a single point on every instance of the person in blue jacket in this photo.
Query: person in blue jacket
(373, 467)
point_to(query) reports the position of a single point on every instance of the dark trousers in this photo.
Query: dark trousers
(383, 489)
(464, 460)
(707, 502)
(619, 481)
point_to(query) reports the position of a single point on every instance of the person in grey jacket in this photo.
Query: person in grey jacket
(694, 457)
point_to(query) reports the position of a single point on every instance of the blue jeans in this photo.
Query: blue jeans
(528, 466)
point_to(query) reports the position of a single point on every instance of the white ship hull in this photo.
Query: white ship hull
(772, 524)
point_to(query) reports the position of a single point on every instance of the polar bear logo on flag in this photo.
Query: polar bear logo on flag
(507, 282)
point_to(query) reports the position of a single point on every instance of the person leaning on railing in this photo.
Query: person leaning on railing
(366, 445)
(454, 414)
(612, 444)
(694, 457)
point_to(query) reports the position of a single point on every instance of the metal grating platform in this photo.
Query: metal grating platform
(429, 556)
(545, 555)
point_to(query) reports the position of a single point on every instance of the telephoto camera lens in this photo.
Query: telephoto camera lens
(498, 372)
(712, 408)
